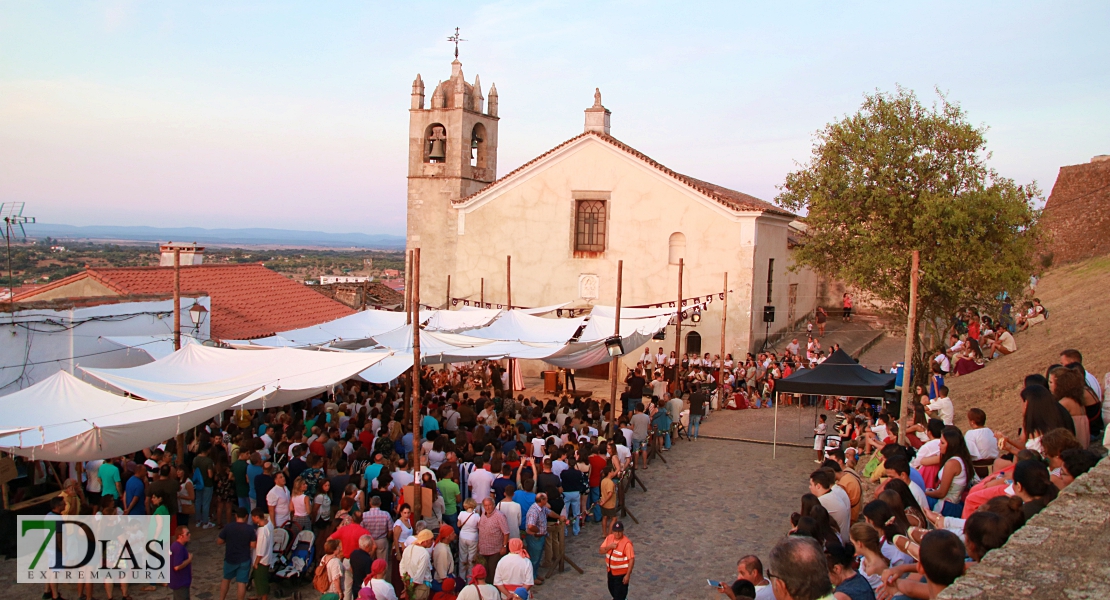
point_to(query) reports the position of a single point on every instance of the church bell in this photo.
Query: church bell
(437, 152)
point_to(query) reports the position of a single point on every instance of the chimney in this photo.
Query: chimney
(1100, 158)
(597, 116)
(191, 254)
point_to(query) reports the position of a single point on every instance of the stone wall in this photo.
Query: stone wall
(1077, 213)
(1063, 552)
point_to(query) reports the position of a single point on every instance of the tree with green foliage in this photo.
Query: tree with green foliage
(899, 176)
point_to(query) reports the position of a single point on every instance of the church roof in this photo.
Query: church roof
(732, 199)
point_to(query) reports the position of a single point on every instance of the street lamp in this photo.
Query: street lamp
(614, 346)
(696, 317)
(197, 313)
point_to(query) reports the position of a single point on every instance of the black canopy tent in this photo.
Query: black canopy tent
(839, 375)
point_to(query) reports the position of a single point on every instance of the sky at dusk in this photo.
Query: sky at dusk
(295, 114)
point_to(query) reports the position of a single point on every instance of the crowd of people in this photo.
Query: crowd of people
(940, 500)
(502, 482)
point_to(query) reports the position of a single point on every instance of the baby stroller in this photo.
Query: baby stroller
(300, 561)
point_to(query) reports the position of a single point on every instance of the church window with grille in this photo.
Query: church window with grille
(589, 226)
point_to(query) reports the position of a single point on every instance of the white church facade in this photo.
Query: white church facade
(567, 216)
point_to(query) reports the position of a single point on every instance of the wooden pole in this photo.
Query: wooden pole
(408, 288)
(177, 299)
(721, 370)
(911, 338)
(180, 438)
(509, 306)
(678, 328)
(614, 365)
(417, 491)
(482, 295)
(448, 305)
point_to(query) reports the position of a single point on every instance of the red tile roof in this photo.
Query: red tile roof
(248, 300)
(732, 199)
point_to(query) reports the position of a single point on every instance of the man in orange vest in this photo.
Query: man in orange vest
(619, 560)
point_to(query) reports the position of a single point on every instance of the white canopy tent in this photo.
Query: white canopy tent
(459, 320)
(272, 377)
(62, 418)
(630, 313)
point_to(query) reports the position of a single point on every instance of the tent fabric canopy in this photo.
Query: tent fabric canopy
(62, 418)
(517, 326)
(458, 320)
(839, 375)
(361, 325)
(271, 377)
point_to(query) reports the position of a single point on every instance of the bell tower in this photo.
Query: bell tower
(452, 154)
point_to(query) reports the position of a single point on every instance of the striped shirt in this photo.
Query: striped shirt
(377, 522)
(618, 559)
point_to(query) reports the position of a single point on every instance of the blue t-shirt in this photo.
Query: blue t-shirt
(524, 499)
(915, 476)
(135, 489)
(252, 472)
(371, 474)
(406, 443)
(237, 538)
(109, 477)
(429, 424)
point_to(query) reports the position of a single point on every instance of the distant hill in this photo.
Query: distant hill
(254, 236)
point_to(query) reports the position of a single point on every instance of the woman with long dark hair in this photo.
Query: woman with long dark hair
(1070, 390)
(879, 515)
(955, 475)
(915, 514)
(1033, 484)
(1041, 413)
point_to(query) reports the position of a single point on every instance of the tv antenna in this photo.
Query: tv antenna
(12, 213)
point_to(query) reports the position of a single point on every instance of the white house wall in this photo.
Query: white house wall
(42, 342)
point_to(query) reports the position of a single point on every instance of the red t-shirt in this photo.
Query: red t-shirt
(348, 535)
(367, 439)
(597, 463)
(318, 449)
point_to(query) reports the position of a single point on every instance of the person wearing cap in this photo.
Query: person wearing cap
(416, 565)
(478, 588)
(620, 558)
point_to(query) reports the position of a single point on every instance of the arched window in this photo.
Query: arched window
(693, 343)
(435, 143)
(677, 248)
(478, 146)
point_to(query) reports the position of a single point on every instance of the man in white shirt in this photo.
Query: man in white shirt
(793, 347)
(416, 562)
(750, 569)
(931, 447)
(263, 549)
(942, 408)
(278, 501)
(512, 512)
(647, 360)
(1005, 344)
(480, 482)
(981, 443)
(401, 476)
(92, 484)
(942, 359)
(514, 570)
(822, 482)
(660, 359)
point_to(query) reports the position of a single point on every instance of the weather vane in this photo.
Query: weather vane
(456, 39)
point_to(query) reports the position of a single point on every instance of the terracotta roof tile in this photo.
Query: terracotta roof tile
(732, 199)
(248, 300)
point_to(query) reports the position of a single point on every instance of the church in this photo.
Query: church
(567, 216)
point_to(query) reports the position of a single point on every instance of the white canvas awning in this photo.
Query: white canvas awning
(517, 326)
(62, 418)
(276, 376)
(630, 313)
(459, 320)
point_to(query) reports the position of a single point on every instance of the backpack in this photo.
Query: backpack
(320, 580)
(198, 479)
